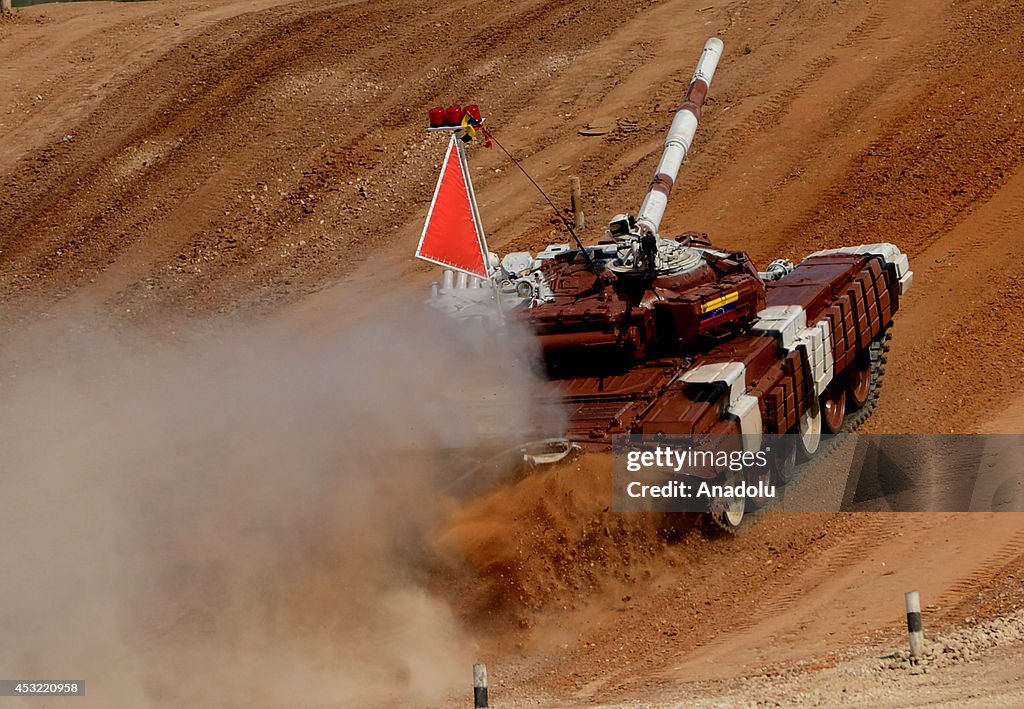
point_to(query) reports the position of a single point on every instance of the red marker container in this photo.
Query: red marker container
(453, 115)
(437, 117)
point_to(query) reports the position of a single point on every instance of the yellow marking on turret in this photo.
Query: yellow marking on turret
(717, 303)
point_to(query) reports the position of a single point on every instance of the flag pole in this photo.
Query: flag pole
(460, 147)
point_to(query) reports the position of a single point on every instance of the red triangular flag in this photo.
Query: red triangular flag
(450, 236)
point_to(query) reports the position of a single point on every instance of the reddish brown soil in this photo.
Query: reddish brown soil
(236, 157)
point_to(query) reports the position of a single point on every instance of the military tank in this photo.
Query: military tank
(647, 334)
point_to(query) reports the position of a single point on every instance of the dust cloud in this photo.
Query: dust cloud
(243, 516)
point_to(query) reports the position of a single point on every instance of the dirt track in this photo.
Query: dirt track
(236, 157)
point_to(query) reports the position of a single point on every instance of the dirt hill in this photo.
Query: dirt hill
(163, 160)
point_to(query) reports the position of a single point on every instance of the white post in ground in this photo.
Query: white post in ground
(576, 202)
(5, 5)
(480, 686)
(915, 631)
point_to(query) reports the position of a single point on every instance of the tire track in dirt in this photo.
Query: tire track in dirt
(864, 30)
(873, 195)
(71, 188)
(846, 116)
(365, 147)
(721, 148)
(856, 588)
(770, 602)
(216, 115)
(973, 276)
(262, 55)
(982, 576)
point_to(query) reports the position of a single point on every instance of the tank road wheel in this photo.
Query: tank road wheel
(833, 405)
(858, 387)
(810, 431)
(759, 477)
(726, 513)
(783, 460)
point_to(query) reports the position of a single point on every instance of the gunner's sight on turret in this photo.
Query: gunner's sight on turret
(623, 229)
(622, 225)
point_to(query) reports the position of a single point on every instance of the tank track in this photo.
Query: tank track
(877, 351)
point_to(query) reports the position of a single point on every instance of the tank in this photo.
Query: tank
(644, 333)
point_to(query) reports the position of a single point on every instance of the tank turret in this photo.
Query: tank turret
(641, 295)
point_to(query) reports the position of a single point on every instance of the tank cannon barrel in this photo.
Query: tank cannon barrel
(680, 136)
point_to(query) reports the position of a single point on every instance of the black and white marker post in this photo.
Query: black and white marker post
(480, 686)
(915, 630)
